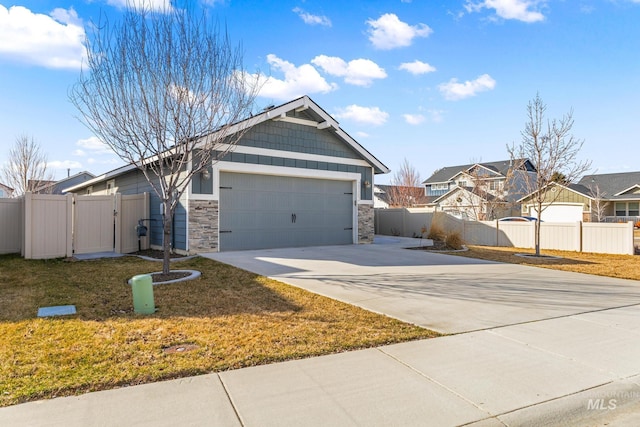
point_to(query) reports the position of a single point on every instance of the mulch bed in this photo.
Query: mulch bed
(438, 245)
(172, 275)
(152, 253)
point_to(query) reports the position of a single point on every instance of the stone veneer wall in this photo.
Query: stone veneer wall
(203, 226)
(365, 224)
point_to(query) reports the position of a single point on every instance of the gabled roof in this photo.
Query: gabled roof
(44, 185)
(313, 115)
(499, 169)
(613, 186)
(487, 196)
(576, 188)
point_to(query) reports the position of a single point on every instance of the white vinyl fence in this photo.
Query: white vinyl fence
(581, 237)
(43, 226)
(10, 226)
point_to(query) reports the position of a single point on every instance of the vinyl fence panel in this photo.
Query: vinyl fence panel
(608, 238)
(562, 236)
(483, 233)
(10, 226)
(47, 226)
(93, 227)
(131, 209)
(516, 234)
(405, 222)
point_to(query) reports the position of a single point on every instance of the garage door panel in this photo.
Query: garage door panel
(256, 211)
(560, 213)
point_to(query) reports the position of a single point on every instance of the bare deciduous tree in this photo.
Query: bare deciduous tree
(163, 89)
(26, 168)
(406, 187)
(598, 204)
(553, 150)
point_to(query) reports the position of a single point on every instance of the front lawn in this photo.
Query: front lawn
(620, 266)
(227, 319)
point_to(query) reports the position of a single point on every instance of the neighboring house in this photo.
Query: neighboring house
(477, 191)
(5, 191)
(295, 178)
(58, 187)
(597, 198)
(393, 196)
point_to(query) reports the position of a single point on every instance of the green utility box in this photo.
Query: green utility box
(142, 287)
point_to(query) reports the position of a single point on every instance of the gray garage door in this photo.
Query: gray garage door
(264, 211)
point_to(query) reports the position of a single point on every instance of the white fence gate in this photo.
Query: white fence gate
(52, 226)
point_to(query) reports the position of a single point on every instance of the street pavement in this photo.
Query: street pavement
(527, 346)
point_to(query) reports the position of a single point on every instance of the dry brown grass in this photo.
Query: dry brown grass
(620, 266)
(234, 318)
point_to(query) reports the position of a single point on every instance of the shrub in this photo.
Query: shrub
(453, 240)
(436, 233)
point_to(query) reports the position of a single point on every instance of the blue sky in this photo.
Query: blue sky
(439, 83)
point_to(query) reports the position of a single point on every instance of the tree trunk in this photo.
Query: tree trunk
(166, 242)
(538, 232)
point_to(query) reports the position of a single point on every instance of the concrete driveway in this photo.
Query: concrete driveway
(445, 293)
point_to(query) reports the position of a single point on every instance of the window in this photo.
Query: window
(634, 209)
(1, 193)
(621, 209)
(462, 183)
(494, 185)
(436, 187)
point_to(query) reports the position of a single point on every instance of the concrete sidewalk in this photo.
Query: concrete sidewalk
(544, 348)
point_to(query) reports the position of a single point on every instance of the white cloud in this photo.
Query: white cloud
(312, 19)
(298, 81)
(359, 72)
(521, 10)
(413, 119)
(367, 115)
(157, 5)
(417, 67)
(361, 134)
(54, 41)
(92, 144)
(64, 164)
(388, 32)
(453, 91)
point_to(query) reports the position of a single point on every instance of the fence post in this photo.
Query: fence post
(118, 222)
(579, 236)
(70, 231)
(26, 243)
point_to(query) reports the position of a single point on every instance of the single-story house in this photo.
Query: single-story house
(295, 178)
(595, 198)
